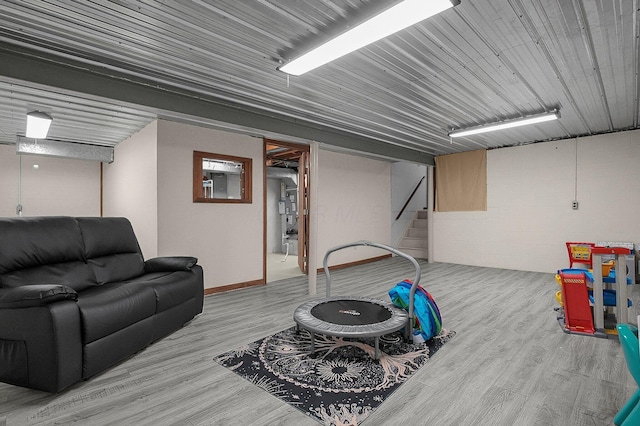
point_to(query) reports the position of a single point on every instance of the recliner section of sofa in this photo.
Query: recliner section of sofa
(77, 297)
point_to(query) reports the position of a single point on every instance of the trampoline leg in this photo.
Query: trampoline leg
(313, 342)
(377, 352)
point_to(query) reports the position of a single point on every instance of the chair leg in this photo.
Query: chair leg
(633, 418)
(631, 406)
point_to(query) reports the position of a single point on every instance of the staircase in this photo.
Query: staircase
(414, 242)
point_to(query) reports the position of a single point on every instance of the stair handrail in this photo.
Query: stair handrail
(409, 199)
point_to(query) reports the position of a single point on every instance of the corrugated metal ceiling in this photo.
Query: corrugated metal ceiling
(78, 117)
(482, 61)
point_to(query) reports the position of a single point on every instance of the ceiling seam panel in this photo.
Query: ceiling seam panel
(588, 44)
(380, 90)
(453, 103)
(615, 34)
(239, 21)
(439, 136)
(292, 17)
(523, 16)
(504, 56)
(579, 73)
(353, 102)
(393, 55)
(172, 20)
(466, 99)
(106, 35)
(71, 17)
(504, 60)
(546, 52)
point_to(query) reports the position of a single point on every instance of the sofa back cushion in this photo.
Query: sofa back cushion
(43, 250)
(111, 248)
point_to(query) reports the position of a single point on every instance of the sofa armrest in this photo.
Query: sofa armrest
(41, 347)
(30, 296)
(170, 264)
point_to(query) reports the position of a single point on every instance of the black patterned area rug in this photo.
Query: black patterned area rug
(340, 384)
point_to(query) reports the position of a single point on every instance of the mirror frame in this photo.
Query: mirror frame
(245, 178)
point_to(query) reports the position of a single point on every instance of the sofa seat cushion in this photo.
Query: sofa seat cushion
(171, 288)
(112, 307)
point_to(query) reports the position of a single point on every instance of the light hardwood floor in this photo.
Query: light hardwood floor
(278, 270)
(509, 364)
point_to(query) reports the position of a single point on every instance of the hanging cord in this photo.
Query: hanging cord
(575, 188)
(19, 207)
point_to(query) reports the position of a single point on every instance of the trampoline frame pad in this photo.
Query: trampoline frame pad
(305, 320)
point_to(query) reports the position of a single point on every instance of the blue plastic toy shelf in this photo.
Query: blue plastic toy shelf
(610, 279)
(609, 295)
(609, 298)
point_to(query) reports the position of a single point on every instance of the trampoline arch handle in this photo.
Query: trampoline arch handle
(415, 264)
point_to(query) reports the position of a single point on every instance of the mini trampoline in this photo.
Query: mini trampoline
(356, 317)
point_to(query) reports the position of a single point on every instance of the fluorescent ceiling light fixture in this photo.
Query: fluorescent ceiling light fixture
(392, 20)
(533, 119)
(38, 125)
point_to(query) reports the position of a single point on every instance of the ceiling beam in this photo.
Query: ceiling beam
(30, 65)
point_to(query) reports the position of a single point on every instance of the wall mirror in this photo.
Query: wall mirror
(221, 178)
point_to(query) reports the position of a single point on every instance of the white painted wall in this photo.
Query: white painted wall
(151, 183)
(354, 199)
(130, 186)
(226, 238)
(404, 178)
(527, 222)
(8, 180)
(58, 187)
(529, 193)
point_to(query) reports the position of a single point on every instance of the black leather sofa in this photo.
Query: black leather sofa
(76, 297)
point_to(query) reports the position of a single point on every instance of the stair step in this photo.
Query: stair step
(417, 232)
(419, 223)
(409, 242)
(422, 214)
(414, 252)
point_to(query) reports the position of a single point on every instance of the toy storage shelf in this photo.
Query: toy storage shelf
(622, 311)
(584, 298)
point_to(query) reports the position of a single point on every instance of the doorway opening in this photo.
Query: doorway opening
(286, 212)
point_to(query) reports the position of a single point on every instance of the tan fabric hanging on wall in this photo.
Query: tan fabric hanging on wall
(461, 181)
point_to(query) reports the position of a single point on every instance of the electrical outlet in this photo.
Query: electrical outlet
(574, 205)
